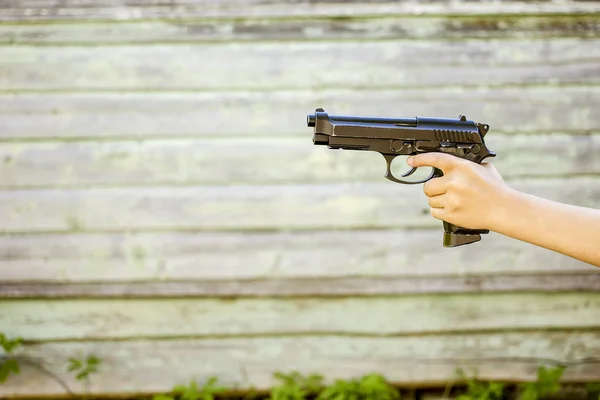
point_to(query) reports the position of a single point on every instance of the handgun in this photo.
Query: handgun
(393, 137)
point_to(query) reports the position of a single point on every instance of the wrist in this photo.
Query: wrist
(511, 207)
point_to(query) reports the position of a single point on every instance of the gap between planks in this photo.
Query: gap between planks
(315, 287)
(300, 28)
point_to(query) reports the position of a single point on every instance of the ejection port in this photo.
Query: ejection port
(425, 145)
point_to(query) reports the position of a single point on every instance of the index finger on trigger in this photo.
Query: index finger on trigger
(442, 161)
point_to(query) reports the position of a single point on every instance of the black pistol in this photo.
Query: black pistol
(393, 137)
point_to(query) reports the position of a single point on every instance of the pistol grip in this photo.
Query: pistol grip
(457, 236)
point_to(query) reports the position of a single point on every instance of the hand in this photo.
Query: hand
(470, 195)
(476, 197)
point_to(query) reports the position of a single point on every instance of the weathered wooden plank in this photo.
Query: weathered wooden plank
(220, 3)
(250, 362)
(89, 319)
(334, 206)
(190, 208)
(401, 27)
(192, 257)
(306, 65)
(139, 115)
(309, 287)
(262, 161)
(54, 10)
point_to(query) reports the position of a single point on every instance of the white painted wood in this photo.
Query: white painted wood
(311, 65)
(101, 319)
(211, 258)
(282, 113)
(274, 207)
(260, 161)
(148, 366)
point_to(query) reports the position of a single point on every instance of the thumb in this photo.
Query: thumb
(442, 161)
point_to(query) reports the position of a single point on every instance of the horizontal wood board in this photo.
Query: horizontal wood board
(115, 116)
(275, 258)
(323, 28)
(276, 207)
(247, 363)
(261, 161)
(101, 319)
(115, 11)
(306, 65)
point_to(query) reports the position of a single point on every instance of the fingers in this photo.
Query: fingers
(445, 162)
(438, 213)
(435, 189)
(436, 201)
(435, 186)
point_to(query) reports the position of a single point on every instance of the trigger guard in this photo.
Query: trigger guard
(388, 173)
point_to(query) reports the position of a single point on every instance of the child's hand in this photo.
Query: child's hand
(476, 197)
(469, 195)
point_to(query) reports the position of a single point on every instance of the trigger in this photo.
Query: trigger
(409, 173)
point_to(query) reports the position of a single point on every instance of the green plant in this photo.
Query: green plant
(480, 390)
(295, 386)
(593, 390)
(8, 363)
(369, 387)
(547, 383)
(83, 369)
(191, 392)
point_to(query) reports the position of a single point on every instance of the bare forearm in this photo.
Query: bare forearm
(567, 229)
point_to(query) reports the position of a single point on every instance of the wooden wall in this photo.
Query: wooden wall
(162, 205)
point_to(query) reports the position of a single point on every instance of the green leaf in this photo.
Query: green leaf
(84, 370)
(294, 386)
(549, 380)
(593, 389)
(81, 375)
(9, 345)
(479, 390)
(465, 397)
(162, 397)
(93, 361)
(6, 367)
(529, 392)
(368, 387)
(74, 364)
